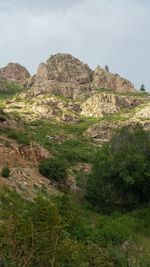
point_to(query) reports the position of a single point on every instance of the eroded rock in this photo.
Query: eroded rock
(14, 72)
(104, 104)
(64, 75)
(106, 80)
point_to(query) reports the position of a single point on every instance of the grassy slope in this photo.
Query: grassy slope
(109, 231)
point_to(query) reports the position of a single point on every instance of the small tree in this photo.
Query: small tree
(106, 68)
(142, 88)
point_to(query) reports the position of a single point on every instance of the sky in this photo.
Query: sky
(98, 32)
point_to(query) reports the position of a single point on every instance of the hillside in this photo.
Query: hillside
(74, 167)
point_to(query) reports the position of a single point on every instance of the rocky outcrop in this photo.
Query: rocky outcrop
(106, 80)
(14, 72)
(22, 162)
(63, 75)
(67, 76)
(103, 131)
(104, 104)
(44, 107)
(143, 113)
(13, 154)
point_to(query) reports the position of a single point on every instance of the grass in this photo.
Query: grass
(75, 148)
(138, 94)
(20, 136)
(9, 89)
(44, 128)
(125, 237)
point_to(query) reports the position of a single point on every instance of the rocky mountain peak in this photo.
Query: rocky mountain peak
(63, 74)
(107, 80)
(14, 72)
(66, 68)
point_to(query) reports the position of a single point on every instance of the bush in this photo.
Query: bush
(54, 168)
(121, 172)
(5, 172)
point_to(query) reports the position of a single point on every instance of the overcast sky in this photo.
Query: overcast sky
(99, 32)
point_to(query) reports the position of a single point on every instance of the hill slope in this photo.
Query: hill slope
(74, 145)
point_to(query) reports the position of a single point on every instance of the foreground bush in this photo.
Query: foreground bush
(56, 231)
(43, 233)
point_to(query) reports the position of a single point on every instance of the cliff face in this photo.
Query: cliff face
(14, 72)
(67, 76)
(64, 75)
(106, 80)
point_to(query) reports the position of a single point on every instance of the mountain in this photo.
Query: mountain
(14, 72)
(65, 75)
(105, 79)
(74, 167)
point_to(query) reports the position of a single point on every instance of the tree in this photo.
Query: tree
(106, 68)
(126, 182)
(142, 88)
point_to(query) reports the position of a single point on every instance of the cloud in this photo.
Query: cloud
(115, 33)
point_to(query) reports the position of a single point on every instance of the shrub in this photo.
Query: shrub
(5, 172)
(54, 168)
(121, 172)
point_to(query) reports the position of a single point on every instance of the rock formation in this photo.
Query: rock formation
(14, 72)
(102, 104)
(63, 75)
(67, 76)
(106, 80)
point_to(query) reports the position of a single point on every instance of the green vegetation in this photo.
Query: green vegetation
(59, 232)
(66, 231)
(9, 89)
(20, 136)
(126, 182)
(142, 88)
(136, 93)
(5, 172)
(73, 146)
(104, 224)
(54, 168)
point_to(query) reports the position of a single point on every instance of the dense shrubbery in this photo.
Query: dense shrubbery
(121, 174)
(46, 233)
(54, 168)
(58, 232)
(77, 150)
